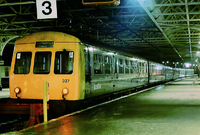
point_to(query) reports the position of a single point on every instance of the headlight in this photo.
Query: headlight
(65, 91)
(17, 90)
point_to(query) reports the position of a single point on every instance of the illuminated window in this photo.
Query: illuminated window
(133, 67)
(127, 66)
(121, 66)
(142, 67)
(108, 64)
(98, 64)
(22, 63)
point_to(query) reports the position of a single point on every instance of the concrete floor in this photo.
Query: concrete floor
(171, 109)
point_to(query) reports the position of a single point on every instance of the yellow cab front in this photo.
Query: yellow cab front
(52, 61)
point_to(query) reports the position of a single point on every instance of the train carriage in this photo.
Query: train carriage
(108, 72)
(99, 72)
(168, 73)
(157, 72)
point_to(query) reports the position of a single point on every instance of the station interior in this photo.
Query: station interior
(161, 31)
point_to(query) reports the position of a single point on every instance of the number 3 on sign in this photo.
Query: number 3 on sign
(46, 9)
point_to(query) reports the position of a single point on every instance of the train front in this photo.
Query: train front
(48, 56)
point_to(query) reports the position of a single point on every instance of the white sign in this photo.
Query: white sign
(97, 86)
(46, 9)
(71, 55)
(18, 55)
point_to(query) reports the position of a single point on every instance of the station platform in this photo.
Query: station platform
(4, 93)
(170, 109)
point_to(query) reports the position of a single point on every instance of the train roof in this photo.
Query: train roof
(47, 36)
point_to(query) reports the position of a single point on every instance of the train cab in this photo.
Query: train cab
(54, 57)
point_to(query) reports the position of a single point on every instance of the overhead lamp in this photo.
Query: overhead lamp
(187, 65)
(110, 53)
(90, 48)
(134, 59)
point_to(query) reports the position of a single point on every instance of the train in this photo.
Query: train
(76, 71)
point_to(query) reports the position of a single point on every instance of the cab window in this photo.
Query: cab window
(42, 63)
(64, 61)
(22, 63)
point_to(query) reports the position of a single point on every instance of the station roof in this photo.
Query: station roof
(158, 30)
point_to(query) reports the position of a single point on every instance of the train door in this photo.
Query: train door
(87, 72)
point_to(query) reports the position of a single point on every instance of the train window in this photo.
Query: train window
(142, 67)
(132, 67)
(42, 63)
(108, 64)
(64, 62)
(136, 67)
(98, 64)
(121, 66)
(22, 63)
(146, 68)
(127, 66)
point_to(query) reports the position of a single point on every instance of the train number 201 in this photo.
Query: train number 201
(65, 80)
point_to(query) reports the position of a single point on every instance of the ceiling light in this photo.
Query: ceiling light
(187, 65)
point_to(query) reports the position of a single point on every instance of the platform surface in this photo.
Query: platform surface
(170, 109)
(4, 93)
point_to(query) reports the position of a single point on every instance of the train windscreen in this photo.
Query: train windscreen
(64, 61)
(42, 63)
(22, 63)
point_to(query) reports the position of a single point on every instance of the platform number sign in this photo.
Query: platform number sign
(46, 9)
